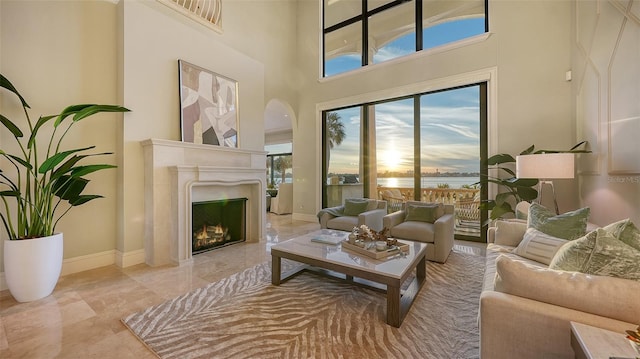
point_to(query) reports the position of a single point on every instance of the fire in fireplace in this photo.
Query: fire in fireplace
(217, 223)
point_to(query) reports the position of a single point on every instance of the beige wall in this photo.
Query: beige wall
(532, 100)
(606, 85)
(63, 52)
(58, 54)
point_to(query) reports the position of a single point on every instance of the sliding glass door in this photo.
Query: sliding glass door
(427, 147)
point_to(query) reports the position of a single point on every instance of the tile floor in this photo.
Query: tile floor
(81, 319)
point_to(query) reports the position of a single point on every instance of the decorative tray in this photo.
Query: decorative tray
(374, 253)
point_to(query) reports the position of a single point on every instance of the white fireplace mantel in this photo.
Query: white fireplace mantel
(179, 173)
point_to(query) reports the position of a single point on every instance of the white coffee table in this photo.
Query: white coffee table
(391, 271)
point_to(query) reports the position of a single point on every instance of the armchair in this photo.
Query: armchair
(335, 217)
(282, 203)
(430, 223)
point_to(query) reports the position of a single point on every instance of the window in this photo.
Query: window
(342, 155)
(279, 164)
(428, 146)
(359, 33)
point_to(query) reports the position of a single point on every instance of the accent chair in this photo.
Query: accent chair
(282, 203)
(354, 213)
(431, 223)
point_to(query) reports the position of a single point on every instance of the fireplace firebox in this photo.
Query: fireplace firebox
(218, 223)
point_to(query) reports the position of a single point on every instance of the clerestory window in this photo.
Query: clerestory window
(357, 33)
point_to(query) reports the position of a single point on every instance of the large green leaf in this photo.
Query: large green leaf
(503, 197)
(84, 199)
(71, 110)
(9, 86)
(11, 126)
(34, 132)
(67, 166)
(9, 194)
(500, 158)
(57, 158)
(527, 193)
(528, 150)
(24, 163)
(84, 170)
(501, 210)
(92, 110)
(69, 188)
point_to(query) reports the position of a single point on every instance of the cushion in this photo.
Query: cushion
(509, 233)
(625, 231)
(599, 253)
(612, 257)
(424, 213)
(573, 255)
(604, 296)
(415, 231)
(372, 204)
(539, 246)
(570, 225)
(355, 206)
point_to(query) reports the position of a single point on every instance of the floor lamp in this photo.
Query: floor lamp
(545, 167)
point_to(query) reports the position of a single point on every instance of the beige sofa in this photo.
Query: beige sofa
(526, 308)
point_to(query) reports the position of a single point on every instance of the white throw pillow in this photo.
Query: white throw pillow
(539, 246)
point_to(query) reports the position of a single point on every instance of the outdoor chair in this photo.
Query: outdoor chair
(394, 199)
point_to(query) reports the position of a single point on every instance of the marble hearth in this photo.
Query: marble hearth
(179, 173)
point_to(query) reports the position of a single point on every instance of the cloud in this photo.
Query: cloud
(450, 126)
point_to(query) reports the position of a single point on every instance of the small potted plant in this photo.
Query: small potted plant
(38, 186)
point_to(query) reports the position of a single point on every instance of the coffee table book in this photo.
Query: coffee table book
(373, 253)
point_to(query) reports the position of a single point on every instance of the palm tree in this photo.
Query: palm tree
(281, 164)
(335, 132)
(335, 129)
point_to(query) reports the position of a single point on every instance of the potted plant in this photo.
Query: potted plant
(517, 189)
(42, 186)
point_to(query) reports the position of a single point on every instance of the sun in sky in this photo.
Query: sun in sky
(390, 160)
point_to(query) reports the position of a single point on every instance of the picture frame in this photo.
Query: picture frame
(208, 106)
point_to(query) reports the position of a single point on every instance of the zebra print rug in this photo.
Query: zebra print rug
(312, 316)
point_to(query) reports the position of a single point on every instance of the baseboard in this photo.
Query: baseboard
(78, 264)
(127, 259)
(304, 217)
(90, 261)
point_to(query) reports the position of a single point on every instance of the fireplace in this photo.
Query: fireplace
(218, 223)
(177, 174)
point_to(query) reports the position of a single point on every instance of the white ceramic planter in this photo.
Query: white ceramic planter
(32, 266)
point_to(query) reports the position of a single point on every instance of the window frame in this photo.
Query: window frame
(363, 18)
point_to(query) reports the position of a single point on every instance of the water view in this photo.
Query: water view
(427, 182)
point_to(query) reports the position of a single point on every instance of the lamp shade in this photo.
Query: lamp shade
(545, 166)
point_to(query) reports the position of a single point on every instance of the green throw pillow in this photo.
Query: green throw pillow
(599, 253)
(625, 231)
(422, 213)
(570, 225)
(612, 257)
(573, 255)
(355, 206)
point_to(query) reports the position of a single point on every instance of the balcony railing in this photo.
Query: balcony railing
(440, 195)
(466, 202)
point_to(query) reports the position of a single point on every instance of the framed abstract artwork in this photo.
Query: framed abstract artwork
(208, 106)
